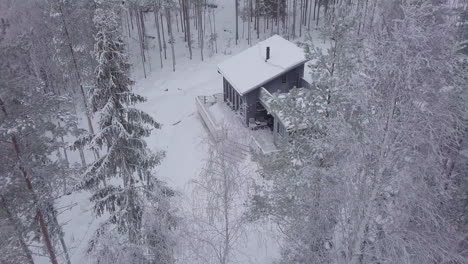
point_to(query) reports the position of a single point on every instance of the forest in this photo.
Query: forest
(104, 158)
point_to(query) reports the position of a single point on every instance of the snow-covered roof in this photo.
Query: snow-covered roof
(287, 118)
(248, 70)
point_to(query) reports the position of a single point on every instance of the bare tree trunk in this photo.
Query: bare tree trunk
(277, 16)
(131, 18)
(243, 27)
(227, 238)
(294, 19)
(286, 28)
(61, 235)
(214, 28)
(200, 27)
(318, 11)
(177, 21)
(205, 6)
(181, 14)
(365, 14)
(305, 12)
(39, 215)
(156, 22)
(195, 15)
(143, 30)
(65, 153)
(182, 17)
(128, 24)
(140, 38)
(237, 21)
(171, 37)
(251, 10)
(80, 148)
(257, 17)
(359, 13)
(301, 20)
(187, 27)
(15, 223)
(249, 38)
(315, 8)
(164, 38)
(365, 215)
(371, 21)
(75, 65)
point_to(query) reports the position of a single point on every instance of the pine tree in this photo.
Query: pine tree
(120, 178)
(28, 116)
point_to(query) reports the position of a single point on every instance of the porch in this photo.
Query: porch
(220, 118)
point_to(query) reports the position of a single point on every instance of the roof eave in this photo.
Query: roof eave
(262, 83)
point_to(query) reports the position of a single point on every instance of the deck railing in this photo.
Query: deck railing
(214, 129)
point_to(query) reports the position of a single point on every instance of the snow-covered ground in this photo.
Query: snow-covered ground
(171, 101)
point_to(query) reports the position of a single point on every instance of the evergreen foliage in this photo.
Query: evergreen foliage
(121, 179)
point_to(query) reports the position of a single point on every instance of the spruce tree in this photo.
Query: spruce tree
(119, 178)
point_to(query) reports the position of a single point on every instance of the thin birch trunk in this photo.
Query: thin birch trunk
(306, 12)
(142, 53)
(257, 17)
(164, 38)
(183, 19)
(277, 16)
(131, 18)
(287, 31)
(249, 37)
(318, 11)
(301, 20)
(371, 24)
(182, 27)
(294, 19)
(237, 21)
(214, 28)
(143, 31)
(187, 27)
(315, 8)
(227, 231)
(200, 28)
(171, 37)
(156, 22)
(128, 24)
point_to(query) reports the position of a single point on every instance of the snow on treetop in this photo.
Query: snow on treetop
(250, 69)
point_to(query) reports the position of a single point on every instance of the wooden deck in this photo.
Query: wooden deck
(220, 120)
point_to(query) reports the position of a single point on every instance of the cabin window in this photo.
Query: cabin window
(236, 101)
(283, 78)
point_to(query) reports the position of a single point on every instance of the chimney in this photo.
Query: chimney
(267, 53)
